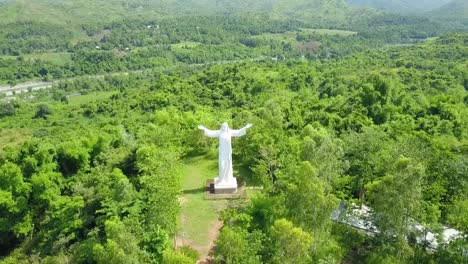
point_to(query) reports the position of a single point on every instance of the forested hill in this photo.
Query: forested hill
(401, 6)
(352, 105)
(96, 178)
(86, 10)
(453, 9)
(48, 40)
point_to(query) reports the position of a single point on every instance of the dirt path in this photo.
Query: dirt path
(206, 253)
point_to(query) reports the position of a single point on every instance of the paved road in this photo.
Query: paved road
(25, 87)
(38, 85)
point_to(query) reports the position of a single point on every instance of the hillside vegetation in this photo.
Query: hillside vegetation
(88, 182)
(401, 6)
(351, 108)
(453, 9)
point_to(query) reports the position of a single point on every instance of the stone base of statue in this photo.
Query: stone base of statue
(227, 193)
(225, 186)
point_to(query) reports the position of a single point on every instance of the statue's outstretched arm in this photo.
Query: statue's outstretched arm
(240, 132)
(209, 133)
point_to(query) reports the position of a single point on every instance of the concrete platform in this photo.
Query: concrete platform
(223, 194)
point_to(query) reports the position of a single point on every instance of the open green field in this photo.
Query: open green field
(59, 58)
(82, 99)
(185, 45)
(289, 36)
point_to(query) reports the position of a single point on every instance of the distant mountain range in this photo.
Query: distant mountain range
(455, 8)
(70, 12)
(321, 12)
(401, 6)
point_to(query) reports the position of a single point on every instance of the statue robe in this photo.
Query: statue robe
(225, 174)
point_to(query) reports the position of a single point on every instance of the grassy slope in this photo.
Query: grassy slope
(199, 223)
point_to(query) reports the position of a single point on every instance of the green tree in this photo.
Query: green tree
(290, 244)
(457, 215)
(120, 246)
(396, 201)
(7, 109)
(71, 157)
(15, 218)
(308, 204)
(236, 245)
(43, 112)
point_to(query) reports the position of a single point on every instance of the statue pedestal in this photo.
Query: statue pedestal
(230, 194)
(226, 186)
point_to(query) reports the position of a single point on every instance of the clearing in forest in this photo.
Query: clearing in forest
(93, 96)
(199, 223)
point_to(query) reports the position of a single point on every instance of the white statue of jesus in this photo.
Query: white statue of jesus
(225, 177)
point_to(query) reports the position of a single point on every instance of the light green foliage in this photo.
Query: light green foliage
(236, 245)
(176, 257)
(290, 244)
(72, 157)
(309, 205)
(396, 200)
(121, 246)
(190, 252)
(319, 145)
(14, 195)
(160, 184)
(458, 215)
(82, 99)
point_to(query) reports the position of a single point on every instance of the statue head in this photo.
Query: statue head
(224, 127)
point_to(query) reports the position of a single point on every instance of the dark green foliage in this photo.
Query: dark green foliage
(43, 111)
(7, 109)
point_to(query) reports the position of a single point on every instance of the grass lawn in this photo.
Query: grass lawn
(82, 99)
(59, 58)
(198, 215)
(199, 223)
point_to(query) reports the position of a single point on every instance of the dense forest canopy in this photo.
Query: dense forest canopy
(352, 108)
